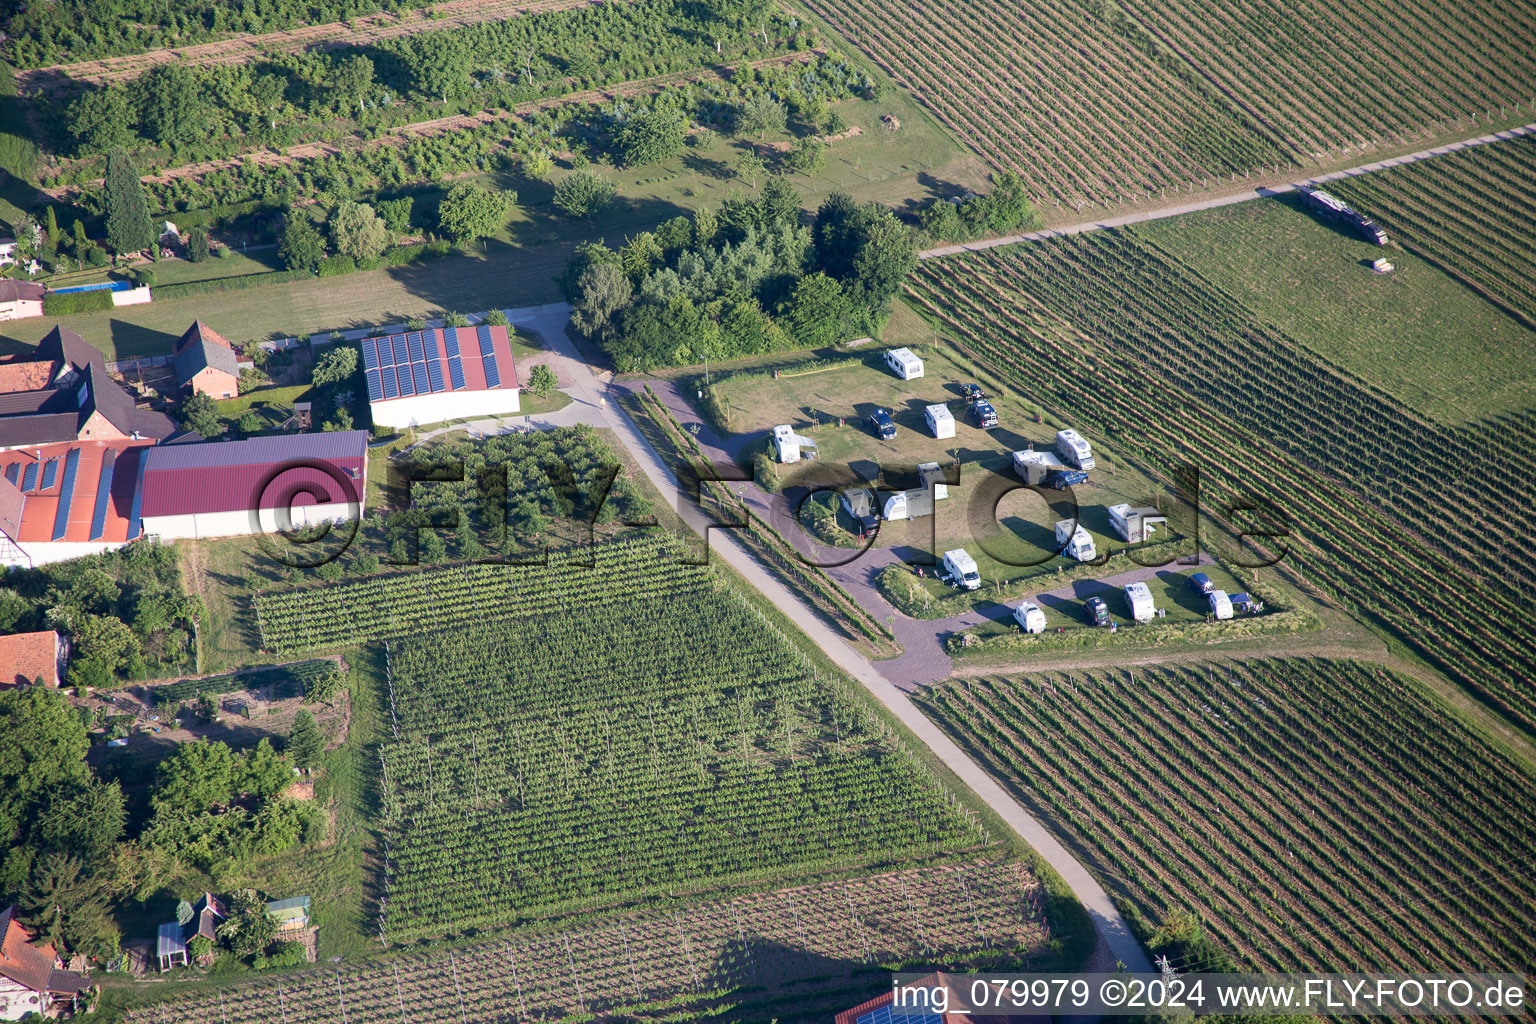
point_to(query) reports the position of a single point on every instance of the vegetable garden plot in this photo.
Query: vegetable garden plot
(727, 956)
(658, 735)
(1146, 353)
(1316, 814)
(1469, 212)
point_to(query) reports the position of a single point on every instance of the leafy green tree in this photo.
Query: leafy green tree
(267, 92)
(337, 363)
(542, 381)
(200, 414)
(128, 225)
(349, 81)
(301, 247)
(305, 740)
(170, 105)
(760, 114)
(51, 225)
(651, 136)
(817, 311)
(249, 928)
(808, 156)
(886, 254)
(42, 748)
(197, 245)
(603, 291)
(583, 193)
(748, 166)
(397, 214)
(357, 231)
(539, 164)
(70, 906)
(249, 423)
(100, 120)
(85, 817)
(106, 640)
(470, 212)
(640, 255)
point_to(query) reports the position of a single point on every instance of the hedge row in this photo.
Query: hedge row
(55, 304)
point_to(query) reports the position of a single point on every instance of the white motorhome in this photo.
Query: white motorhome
(1074, 448)
(1134, 525)
(940, 422)
(789, 446)
(1139, 598)
(1220, 603)
(1074, 541)
(1029, 617)
(904, 363)
(1032, 466)
(960, 569)
(931, 475)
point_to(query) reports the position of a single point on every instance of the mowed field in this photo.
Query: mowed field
(1316, 815)
(1100, 103)
(1408, 522)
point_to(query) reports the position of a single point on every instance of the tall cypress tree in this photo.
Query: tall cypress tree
(128, 225)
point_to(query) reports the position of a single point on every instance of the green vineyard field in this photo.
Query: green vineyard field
(796, 956)
(1405, 522)
(1104, 103)
(1316, 814)
(659, 736)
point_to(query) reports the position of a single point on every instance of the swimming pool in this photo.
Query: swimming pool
(104, 286)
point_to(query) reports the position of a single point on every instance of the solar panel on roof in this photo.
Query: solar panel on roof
(370, 353)
(50, 471)
(488, 358)
(456, 372)
(435, 374)
(387, 378)
(29, 477)
(375, 385)
(66, 493)
(402, 353)
(900, 1015)
(413, 341)
(419, 374)
(11, 471)
(451, 339)
(103, 495)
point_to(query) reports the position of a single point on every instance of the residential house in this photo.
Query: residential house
(207, 363)
(32, 979)
(61, 391)
(20, 299)
(33, 658)
(62, 501)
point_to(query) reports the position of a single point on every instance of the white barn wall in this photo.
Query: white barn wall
(48, 552)
(198, 526)
(444, 405)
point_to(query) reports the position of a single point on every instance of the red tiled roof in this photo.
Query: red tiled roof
(39, 512)
(200, 331)
(28, 657)
(29, 374)
(20, 960)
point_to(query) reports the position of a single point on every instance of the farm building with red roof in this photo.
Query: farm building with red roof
(447, 373)
(207, 363)
(227, 489)
(63, 501)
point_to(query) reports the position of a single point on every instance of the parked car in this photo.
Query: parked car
(881, 423)
(1201, 584)
(1096, 611)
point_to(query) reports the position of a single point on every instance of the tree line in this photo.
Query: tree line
(745, 279)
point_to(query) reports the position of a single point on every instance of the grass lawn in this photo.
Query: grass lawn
(1416, 333)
